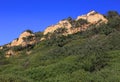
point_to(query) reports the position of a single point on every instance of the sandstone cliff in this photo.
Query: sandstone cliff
(24, 39)
(61, 24)
(92, 17)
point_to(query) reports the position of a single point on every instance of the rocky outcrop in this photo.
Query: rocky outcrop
(61, 24)
(24, 39)
(9, 53)
(92, 17)
(1, 47)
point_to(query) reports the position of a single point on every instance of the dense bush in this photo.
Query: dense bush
(112, 14)
(81, 22)
(12, 78)
(17, 48)
(38, 35)
(77, 23)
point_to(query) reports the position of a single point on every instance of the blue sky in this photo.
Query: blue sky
(19, 15)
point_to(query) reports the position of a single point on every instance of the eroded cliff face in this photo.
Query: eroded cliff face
(61, 24)
(23, 39)
(92, 17)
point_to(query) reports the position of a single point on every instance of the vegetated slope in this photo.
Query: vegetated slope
(89, 56)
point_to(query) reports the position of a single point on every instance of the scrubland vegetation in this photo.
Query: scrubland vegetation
(89, 56)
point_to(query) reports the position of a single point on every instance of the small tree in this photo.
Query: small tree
(70, 19)
(79, 23)
(60, 30)
(82, 21)
(38, 35)
(30, 31)
(112, 14)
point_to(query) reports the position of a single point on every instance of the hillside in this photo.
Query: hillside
(89, 55)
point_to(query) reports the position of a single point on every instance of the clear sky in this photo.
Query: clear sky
(19, 15)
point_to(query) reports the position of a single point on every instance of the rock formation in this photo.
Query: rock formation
(9, 53)
(23, 39)
(92, 17)
(61, 24)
